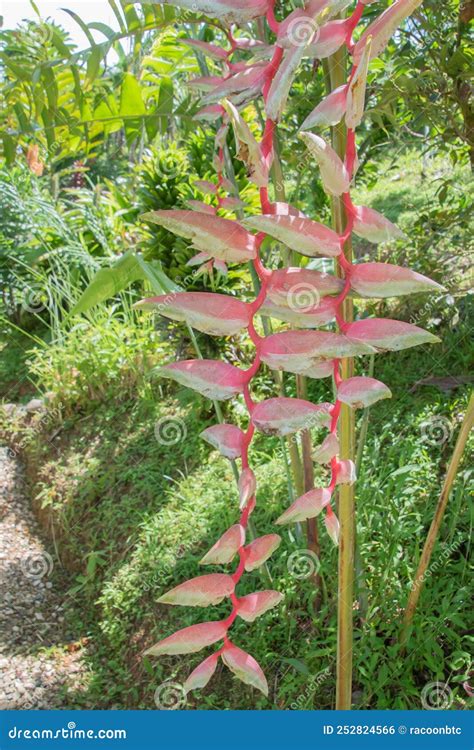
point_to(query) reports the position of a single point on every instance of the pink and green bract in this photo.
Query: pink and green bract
(300, 350)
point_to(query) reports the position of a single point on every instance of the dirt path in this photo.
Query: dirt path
(39, 660)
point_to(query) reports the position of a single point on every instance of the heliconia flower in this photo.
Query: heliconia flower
(334, 175)
(284, 416)
(259, 550)
(300, 287)
(226, 184)
(301, 234)
(229, 11)
(300, 26)
(220, 266)
(210, 113)
(247, 486)
(200, 591)
(220, 238)
(247, 148)
(346, 473)
(209, 377)
(245, 667)
(329, 39)
(196, 260)
(387, 280)
(314, 317)
(210, 50)
(308, 505)
(294, 351)
(253, 605)
(200, 676)
(332, 526)
(227, 438)
(328, 449)
(189, 640)
(232, 202)
(389, 335)
(225, 549)
(250, 80)
(374, 227)
(215, 314)
(357, 88)
(204, 83)
(319, 369)
(220, 139)
(203, 207)
(282, 82)
(329, 111)
(296, 30)
(337, 6)
(280, 208)
(360, 392)
(383, 28)
(206, 186)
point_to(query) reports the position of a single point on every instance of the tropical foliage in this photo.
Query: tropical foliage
(222, 165)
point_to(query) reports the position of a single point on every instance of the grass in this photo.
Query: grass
(132, 515)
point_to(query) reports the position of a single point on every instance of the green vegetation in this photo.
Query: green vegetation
(118, 474)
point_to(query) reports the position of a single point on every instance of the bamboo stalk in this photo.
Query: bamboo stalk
(430, 541)
(337, 66)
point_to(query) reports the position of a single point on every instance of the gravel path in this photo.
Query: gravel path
(39, 661)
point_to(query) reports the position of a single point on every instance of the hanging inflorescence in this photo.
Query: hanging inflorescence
(310, 32)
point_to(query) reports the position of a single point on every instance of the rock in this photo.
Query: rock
(35, 405)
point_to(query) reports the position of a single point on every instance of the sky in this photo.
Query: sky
(13, 11)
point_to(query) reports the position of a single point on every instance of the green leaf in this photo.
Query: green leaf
(50, 86)
(125, 271)
(57, 41)
(107, 31)
(109, 281)
(165, 102)
(93, 64)
(132, 17)
(131, 102)
(9, 148)
(83, 26)
(35, 8)
(154, 273)
(118, 15)
(300, 666)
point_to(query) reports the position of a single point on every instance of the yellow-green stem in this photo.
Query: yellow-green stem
(430, 542)
(337, 67)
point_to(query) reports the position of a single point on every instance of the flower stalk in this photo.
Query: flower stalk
(299, 349)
